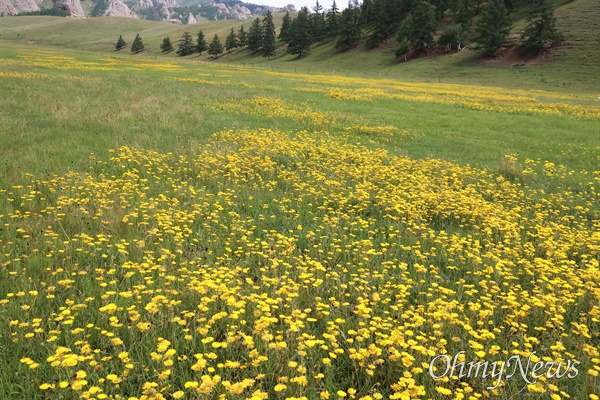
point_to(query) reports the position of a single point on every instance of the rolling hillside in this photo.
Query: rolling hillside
(573, 66)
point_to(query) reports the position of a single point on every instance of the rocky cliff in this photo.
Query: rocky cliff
(13, 7)
(73, 7)
(116, 8)
(151, 9)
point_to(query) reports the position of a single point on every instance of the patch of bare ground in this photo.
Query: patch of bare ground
(513, 56)
(437, 51)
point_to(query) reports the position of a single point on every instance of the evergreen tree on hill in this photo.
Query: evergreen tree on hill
(463, 12)
(286, 25)
(185, 45)
(300, 38)
(493, 28)
(268, 35)
(403, 49)
(441, 6)
(137, 45)
(379, 27)
(166, 45)
(242, 37)
(201, 44)
(453, 35)
(332, 21)
(541, 27)
(419, 27)
(317, 23)
(367, 11)
(255, 36)
(350, 28)
(231, 42)
(120, 43)
(215, 48)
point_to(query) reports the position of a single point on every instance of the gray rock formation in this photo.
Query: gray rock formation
(116, 8)
(175, 21)
(7, 8)
(14, 7)
(191, 19)
(73, 7)
(168, 3)
(163, 11)
(240, 12)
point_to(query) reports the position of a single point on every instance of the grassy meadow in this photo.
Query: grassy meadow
(184, 229)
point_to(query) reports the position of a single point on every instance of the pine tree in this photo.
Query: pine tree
(403, 49)
(463, 12)
(332, 22)
(215, 47)
(419, 27)
(541, 27)
(255, 36)
(300, 39)
(166, 45)
(350, 28)
(137, 45)
(286, 25)
(186, 45)
(120, 43)
(268, 35)
(367, 11)
(441, 6)
(394, 12)
(380, 27)
(242, 37)
(317, 23)
(493, 28)
(201, 44)
(231, 42)
(452, 35)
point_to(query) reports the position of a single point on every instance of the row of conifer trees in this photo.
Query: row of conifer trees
(413, 23)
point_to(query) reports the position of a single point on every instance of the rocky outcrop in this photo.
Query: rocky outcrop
(116, 8)
(7, 8)
(168, 3)
(235, 12)
(73, 7)
(191, 19)
(175, 21)
(240, 12)
(14, 7)
(162, 10)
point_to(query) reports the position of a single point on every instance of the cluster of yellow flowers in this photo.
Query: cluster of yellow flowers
(22, 75)
(107, 64)
(293, 265)
(473, 97)
(305, 115)
(276, 108)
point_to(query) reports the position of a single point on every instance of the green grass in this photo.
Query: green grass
(116, 188)
(74, 118)
(573, 67)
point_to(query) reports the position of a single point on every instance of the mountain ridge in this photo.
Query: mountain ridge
(156, 10)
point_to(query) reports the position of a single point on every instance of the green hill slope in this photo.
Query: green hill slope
(573, 66)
